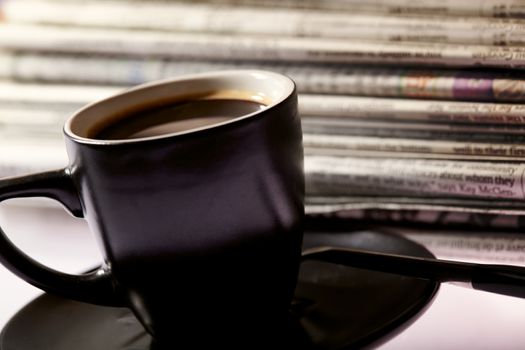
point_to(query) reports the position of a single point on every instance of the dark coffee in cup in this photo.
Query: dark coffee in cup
(198, 214)
(167, 117)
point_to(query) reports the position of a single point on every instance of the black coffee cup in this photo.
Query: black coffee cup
(200, 229)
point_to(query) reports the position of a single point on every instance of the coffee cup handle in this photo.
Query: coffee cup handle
(96, 287)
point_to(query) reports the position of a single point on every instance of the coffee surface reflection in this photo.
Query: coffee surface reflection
(175, 117)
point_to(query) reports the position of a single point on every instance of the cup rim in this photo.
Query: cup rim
(287, 83)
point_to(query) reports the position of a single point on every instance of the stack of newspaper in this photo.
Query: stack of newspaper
(412, 110)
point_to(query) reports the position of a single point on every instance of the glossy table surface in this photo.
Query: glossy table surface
(459, 318)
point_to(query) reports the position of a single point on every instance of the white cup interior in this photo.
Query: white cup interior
(263, 87)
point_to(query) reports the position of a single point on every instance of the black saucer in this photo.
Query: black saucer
(337, 307)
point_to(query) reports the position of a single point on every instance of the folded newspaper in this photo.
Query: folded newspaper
(412, 111)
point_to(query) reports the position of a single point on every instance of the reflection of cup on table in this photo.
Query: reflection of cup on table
(194, 188)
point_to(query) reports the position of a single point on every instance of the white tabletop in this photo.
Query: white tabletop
(459, 318)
